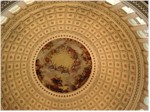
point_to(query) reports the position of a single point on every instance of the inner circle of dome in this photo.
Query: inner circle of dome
(63, 65)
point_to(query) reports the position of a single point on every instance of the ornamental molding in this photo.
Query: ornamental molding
(6, 4)
(140, 7)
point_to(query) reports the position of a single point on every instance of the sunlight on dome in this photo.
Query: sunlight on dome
(145, 45)
(127, 9)
(132, 22)
(113, 2)
(141, 21)
(28, 1)
(142, 33)
(14, 9)
(146, 101)
(3, 19)
(136, 21)
(146, 31)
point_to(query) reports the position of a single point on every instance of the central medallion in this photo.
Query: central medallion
(63, 65)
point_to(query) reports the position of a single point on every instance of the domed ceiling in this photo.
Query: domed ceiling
(70, 56)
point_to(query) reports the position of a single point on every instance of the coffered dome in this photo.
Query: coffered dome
(72, 56)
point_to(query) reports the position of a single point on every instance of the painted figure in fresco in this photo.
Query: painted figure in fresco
(60, 68)
(77, 62)
(47, 60)
(38, 71)
(47, 46)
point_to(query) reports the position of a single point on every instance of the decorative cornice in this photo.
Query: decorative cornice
(141, 6)
(5, 4)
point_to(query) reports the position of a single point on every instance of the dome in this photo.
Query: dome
(74, 56)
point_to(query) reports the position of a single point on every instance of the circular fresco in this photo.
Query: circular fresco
(63, 65)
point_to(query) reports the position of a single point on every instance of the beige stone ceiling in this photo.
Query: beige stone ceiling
(117, 77)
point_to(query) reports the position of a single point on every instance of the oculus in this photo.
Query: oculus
(63, 65)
